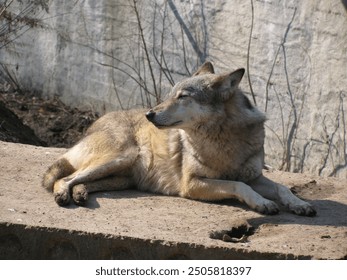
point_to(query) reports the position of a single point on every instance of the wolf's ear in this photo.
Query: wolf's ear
(236, 77)
(226, 83)
(206, 68)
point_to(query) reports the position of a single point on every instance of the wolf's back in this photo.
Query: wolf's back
(59, 169)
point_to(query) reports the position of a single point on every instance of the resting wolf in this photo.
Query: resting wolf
(205, 142)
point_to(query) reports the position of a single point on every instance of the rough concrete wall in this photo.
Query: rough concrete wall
(63, 56)
(95, 54)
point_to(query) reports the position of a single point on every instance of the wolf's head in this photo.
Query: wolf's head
(198, 100)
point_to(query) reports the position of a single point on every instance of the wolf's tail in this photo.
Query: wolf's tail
(59, 169)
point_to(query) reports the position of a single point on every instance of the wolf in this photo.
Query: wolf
(205, 142)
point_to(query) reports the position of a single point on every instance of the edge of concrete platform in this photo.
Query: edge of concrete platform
(18, 241)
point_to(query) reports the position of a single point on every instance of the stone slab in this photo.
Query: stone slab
(136, 225)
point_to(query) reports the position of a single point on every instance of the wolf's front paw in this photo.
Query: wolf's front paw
(79, 195)
(268, 207)
(303, 209)
(62, 198)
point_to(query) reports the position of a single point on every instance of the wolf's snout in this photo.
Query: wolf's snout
(150, 115)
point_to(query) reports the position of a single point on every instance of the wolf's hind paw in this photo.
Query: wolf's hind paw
(268, 208)
(80, 195)
(304, 210)
(62, 198)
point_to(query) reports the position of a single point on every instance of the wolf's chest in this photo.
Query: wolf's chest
(233, 165)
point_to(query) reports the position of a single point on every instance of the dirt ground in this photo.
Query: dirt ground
(53, 123)
(152, 217)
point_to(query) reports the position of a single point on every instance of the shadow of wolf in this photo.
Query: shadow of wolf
(205, 142)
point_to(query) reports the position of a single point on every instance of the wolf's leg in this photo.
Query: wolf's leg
(283, 195)
(97, 169)
(112, 183)
(213, 189)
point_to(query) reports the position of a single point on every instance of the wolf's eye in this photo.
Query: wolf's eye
(182, 95)
(190, 89)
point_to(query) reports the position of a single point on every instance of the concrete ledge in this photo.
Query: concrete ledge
(136, 225)
(23, 242)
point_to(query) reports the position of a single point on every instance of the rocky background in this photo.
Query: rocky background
(111, 54)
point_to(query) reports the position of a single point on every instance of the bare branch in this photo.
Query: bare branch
(145, 49)
(184, 54)
(162, 60)
(186, 30)
(268, 80)
(248, 54)
(117, 94)
(343, 165)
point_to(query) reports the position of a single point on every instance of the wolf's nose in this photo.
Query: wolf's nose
(150, 115)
